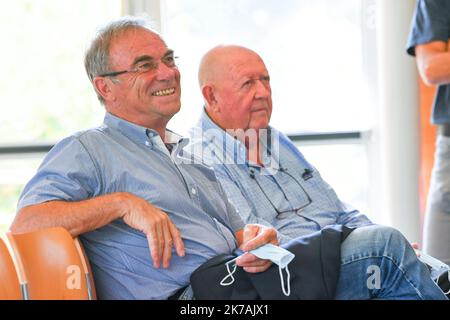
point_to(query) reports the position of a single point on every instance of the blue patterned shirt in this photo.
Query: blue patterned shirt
(123, 157)
(290, 196)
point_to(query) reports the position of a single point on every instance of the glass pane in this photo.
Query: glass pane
(45, 91)
(344, 167)
(14, 174)
(312, 48)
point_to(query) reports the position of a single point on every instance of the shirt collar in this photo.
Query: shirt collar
(238, 152)
(232, 148)
(137, 133)
(172, 137)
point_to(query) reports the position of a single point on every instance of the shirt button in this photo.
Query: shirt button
(194, 192)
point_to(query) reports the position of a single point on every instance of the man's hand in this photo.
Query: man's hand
(416, 246)
(254, 236)
(156, 225)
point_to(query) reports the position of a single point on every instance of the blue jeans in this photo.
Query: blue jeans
(377, 262)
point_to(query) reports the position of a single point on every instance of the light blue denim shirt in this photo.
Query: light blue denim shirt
(305, 202)
(123, 157)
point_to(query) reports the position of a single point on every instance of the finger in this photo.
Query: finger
(250, 232)
(266, 236)
(160, 240)
(177, 241)
(156, 244)
(246, 259)
(256, 263)
(275, 241)
(416, 246)
(154, 251)
(167, 245)
(259, 268)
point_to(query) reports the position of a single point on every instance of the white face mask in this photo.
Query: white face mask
(277, 255)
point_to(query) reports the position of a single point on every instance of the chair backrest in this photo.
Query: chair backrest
(9, 282)
(87, 269)
(51, 265)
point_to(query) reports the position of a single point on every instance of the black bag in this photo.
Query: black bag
(313, 272)
(444, 283)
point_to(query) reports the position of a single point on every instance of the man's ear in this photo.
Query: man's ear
(102, 86)
(210, 98)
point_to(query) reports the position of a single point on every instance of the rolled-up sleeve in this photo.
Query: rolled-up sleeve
(430, 23)
(67, 173)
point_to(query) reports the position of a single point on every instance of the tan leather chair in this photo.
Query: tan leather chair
(52, 265)
(9, 282)
(86, 269)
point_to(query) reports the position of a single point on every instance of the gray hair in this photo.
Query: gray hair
(96, 59)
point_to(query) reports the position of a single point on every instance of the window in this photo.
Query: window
(312, 48)
(14, 173)
(347, 172)
(316, 55)
(45, 92)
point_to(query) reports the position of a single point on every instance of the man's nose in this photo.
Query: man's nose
(262, 90)
(165, 72)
